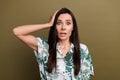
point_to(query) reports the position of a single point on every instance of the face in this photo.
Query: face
(64, 26)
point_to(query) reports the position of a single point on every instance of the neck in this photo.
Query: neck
(64, 43)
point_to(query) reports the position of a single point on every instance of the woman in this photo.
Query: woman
(62, 57)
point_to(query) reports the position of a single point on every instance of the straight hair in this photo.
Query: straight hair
(53, 39)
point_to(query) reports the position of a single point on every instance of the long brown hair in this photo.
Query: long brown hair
(53, 39)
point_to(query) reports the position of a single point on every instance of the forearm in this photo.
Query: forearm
(27, 29)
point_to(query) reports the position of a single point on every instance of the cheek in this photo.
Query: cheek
(70, 31)
(57, 29)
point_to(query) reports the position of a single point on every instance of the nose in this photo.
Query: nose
(63, 27)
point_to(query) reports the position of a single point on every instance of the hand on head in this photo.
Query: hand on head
(53, 17)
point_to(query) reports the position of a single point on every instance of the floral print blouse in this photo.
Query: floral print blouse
(65, 69)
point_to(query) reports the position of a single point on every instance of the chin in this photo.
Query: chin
(63, 38)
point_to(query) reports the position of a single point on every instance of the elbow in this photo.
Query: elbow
(15, 31)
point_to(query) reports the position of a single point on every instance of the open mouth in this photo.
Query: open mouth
(63, 34)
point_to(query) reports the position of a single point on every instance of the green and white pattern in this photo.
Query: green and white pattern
(65, 70)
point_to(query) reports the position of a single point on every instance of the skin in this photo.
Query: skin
(24, 32)
(64, 28)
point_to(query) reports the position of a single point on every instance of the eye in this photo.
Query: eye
(68, 23)
(58, 23)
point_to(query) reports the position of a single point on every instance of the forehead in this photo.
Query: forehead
(65, 16)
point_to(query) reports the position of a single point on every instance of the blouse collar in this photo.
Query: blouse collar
(70, 50)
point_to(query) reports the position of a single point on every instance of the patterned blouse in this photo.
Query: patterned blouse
(65, 69)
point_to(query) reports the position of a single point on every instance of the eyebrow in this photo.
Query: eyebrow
(66, 20)
(59, 20)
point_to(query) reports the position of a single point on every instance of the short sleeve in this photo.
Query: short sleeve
(87, 65)
(42, 49)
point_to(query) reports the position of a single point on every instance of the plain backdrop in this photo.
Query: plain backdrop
(99, 29)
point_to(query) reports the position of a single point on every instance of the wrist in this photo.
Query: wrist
(49, 24)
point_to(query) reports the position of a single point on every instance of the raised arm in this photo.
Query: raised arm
(24, 32)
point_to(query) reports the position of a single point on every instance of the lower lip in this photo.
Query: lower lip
(63, 35)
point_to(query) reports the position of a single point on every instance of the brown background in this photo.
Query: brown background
(99, 29)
